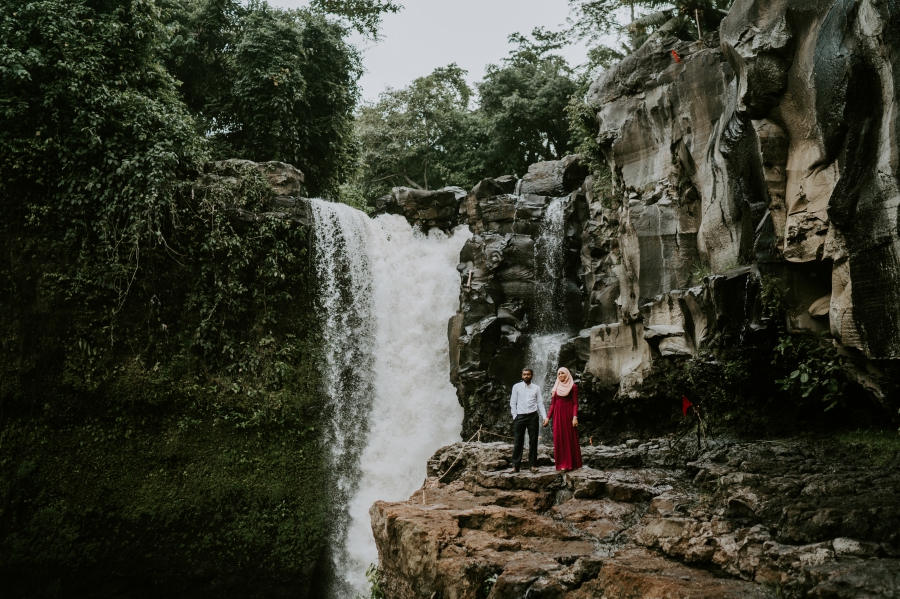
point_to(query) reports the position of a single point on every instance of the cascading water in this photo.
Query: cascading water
(549, 264)
(549, 305)
(346, 305)
(395, 405)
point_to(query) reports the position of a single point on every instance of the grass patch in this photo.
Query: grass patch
(882, 446)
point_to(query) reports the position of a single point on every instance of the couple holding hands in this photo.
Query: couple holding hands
(526, 403)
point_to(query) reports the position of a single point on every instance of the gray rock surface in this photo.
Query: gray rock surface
(229, 180)
(438, 209)
(768, 151)
(500, 284)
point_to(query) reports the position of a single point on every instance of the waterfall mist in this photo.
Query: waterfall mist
(395, 289)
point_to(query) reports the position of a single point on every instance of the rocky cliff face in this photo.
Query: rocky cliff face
(766, 155)
(658, 519)
(503, 281)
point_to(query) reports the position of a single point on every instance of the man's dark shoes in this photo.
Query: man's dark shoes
(515, 468)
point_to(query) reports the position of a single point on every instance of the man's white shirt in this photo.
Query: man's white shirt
(526, 399)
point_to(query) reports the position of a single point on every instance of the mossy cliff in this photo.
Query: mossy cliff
(158, 435)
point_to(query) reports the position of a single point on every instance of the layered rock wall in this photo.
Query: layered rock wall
(769, 150)
(502, 283)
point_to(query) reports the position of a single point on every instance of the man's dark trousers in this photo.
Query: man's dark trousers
(522, 423)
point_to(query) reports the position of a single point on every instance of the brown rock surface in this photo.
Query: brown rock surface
(654, 520)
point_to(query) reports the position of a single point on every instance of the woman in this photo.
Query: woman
(564, 412)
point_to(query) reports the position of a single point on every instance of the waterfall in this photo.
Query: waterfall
(346, 306)
(395, 289)
(543, 356)
(549, 262)
(549, 305)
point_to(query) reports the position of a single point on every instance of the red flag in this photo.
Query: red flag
(675, 56)
(685, 404)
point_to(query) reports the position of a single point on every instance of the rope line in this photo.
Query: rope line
(496, 435)
(461, 450)
(459, 455)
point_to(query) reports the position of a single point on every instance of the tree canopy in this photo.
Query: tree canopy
(268, 84)
(420, 136)
(364, 16)
(523, 102)
(108, 108)
(438, 131)
(685, 19)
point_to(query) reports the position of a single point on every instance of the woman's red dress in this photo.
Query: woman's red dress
(566, 451)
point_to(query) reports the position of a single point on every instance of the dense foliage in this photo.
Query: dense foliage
(437, 132)
(268, 84)
(364, 16)
(524, 101)
(595, 20)
(423, 135)
(158, 397)
(94, 137)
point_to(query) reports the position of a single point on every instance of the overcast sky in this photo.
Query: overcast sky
(428, 34)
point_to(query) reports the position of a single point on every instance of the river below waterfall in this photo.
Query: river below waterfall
(387, 292)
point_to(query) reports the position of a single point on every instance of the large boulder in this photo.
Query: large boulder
(554, 177)
(425, 209)
(816, 89)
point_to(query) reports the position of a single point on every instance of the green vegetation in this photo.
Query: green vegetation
(523, 102)
(422, 136)
(684, 19)
(268, 84)
(165, 436)
(882, 446)
(436, 132)
(775, 378)
(158, 387)
(373, 576)
(364, 16)
(700, 271)
(818, 368)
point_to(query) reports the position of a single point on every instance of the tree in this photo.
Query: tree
(523, 102)
(269, 84)
(93, 135)
(428, 135)
(423, 136)
(363, 15)
(685, 19)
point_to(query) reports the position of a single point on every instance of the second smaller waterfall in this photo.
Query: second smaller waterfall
(549, 304)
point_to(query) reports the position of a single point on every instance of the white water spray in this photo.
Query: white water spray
(549, 262)
(549, 305)
(406, 406)
(345, 304)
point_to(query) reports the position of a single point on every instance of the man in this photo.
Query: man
(525, 403)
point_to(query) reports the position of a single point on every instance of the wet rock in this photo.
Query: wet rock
(659, 517)
(228, 180)
(425, 209)
(554, 178)
(739, 162)
(284, 179)
(500, 288)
